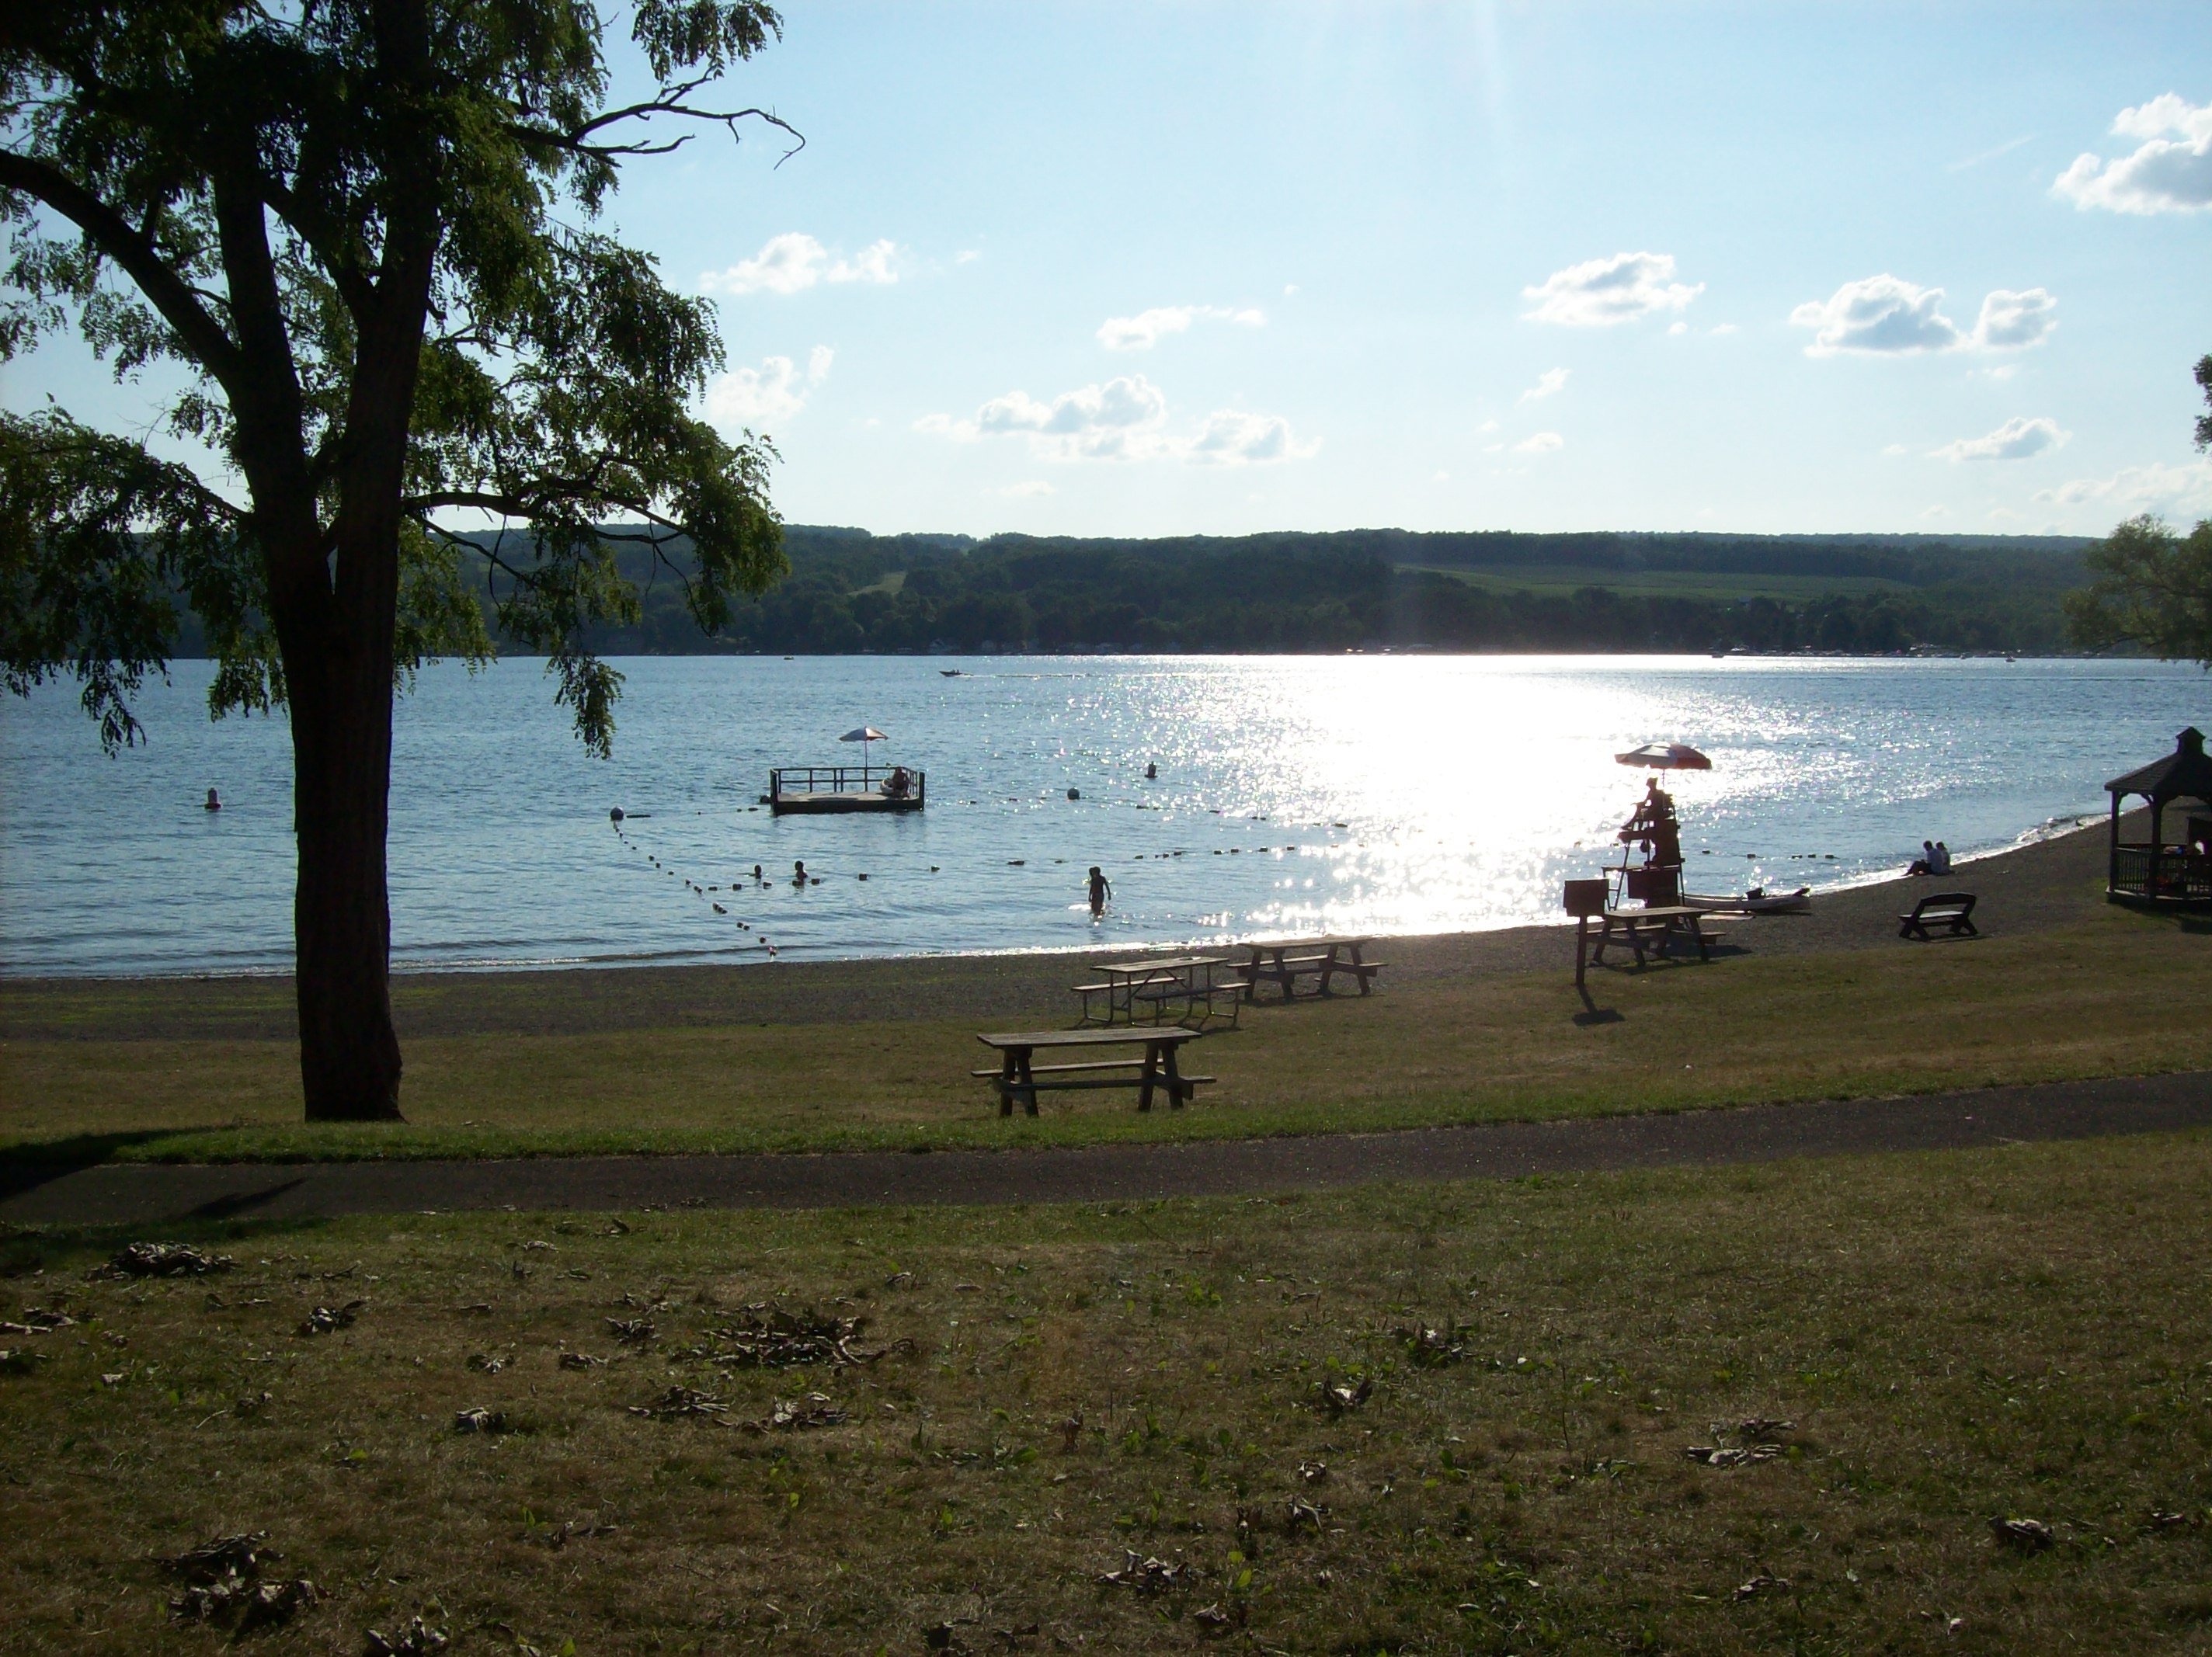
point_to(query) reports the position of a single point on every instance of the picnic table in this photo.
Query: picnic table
(1656, 929)
(1285, 960)
(1019, 1077)
(1129, 989)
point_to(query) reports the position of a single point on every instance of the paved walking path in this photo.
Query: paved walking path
(127, 1193)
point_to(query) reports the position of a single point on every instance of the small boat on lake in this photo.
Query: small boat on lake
(1757, 901)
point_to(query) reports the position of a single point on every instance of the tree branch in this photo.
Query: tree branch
(575, 139)
(204, 336)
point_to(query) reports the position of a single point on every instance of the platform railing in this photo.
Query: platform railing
(2177, 874)
(835, 779)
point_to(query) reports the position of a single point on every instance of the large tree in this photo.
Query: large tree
(354, 238)
(2153, 586)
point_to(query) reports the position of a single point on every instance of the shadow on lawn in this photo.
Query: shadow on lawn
(40, 1161)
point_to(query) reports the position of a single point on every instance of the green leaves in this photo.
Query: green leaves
(2153, 588)
(98, 540)
(353, 226)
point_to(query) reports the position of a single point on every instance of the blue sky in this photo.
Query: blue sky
(1151, 269)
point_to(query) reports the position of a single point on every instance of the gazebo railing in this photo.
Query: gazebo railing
(2177, 874)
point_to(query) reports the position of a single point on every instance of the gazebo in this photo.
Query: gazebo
(2166, 869)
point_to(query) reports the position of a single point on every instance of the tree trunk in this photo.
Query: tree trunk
(342, 917)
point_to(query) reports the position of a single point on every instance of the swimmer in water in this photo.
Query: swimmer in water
(214, 801)
(758, 877)
(1101, 890)
(799, 874)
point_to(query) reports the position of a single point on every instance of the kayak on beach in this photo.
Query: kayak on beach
(1799, 902)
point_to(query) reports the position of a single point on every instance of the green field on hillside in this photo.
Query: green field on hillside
(1558, 581)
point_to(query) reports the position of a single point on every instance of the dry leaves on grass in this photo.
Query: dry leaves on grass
(325, 1320)
(482, 1420)
(780, 1340)
(1338, 1396)
(415, 1638)
(223, 1582)
(788, 1415)
(159, 1259)
(1759, 1439)
(1146, 1575)
(2030, 1535)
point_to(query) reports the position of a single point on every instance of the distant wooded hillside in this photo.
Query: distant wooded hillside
(849, 591)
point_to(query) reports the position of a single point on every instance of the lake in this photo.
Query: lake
(1369, 793)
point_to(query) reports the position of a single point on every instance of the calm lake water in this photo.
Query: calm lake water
(1381, 794)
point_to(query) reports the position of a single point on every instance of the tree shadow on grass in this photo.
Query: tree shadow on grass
(27, 1165)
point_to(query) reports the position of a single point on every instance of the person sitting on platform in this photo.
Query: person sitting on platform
(899, 783)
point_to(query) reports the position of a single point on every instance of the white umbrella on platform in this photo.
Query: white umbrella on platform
(864, 734)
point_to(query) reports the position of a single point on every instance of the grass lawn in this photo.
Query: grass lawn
(2097, 998)
(1929, 1343)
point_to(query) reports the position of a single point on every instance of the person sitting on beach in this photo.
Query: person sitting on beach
(1101, 890)
(1925, 863)
(1939, 860)
(899, 783)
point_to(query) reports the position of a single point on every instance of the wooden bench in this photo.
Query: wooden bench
(1018, 1077)
(1953, 911)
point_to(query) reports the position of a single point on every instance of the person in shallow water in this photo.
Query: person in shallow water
(1101, 890)
(799, 874)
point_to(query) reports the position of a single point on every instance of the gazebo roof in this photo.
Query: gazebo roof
(2185, 773)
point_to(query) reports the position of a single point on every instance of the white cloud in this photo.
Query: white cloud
(966, 255)
(1887, 316)
(1124, 419)
(1231, 437)
(1894, 449)
(1540, 443)
(1599, 293)
(2017, 439)
(2141, 488)
(1147, 328)
(1549, 383)
(2170, 172)
(1719, 329)
(794, 261)
(1035, 489)
(1879, 313)
(2013, 322)
(772, 392)
(1678, 327)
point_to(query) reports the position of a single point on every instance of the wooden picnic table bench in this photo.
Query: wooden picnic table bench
(1953, 911)
(1285, 960)
(1129, 989)
(1018, 1077)
(1655, 929)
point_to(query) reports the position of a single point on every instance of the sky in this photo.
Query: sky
(1217, 267)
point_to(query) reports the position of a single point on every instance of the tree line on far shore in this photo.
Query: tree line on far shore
(849, 592)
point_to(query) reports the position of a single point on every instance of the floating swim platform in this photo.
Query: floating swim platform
(820, 790)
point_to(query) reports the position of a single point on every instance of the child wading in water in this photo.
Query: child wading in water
(1101, 890)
